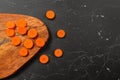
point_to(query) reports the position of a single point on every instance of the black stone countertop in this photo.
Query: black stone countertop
(91, 47)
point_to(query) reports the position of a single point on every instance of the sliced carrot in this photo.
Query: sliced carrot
(50, 14)
(44, 59)
(10, 32)
(61, 33)
(10, 24)
(16, 40)
(28, 43)
(32, 33)
(22, 30)
(23, 52)
(21, 23)
(40, 42)
(58, 53)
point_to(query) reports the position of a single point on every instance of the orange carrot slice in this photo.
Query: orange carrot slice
(28, 43)
(61, 33)
(44, 59)
(16, 40)
(10, 32)
(58, 53)
(23, 52)
(10, 24)
(40, 42)
(32, 33)
(21, 23)
(22, 30)
(50, 14)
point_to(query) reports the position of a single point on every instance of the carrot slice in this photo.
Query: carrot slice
(23, 52)
(58, 53)
(40, 42)
(10, 32)
(32, 33)
(28, 43)
(50, 14)
(16, 40)
(61, 33)
(21, 23)
(22, 30)
(44, 59)
(10, 24)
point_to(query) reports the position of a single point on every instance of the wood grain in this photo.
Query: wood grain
(10, 60)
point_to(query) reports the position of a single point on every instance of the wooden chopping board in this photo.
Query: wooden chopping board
(10, 60)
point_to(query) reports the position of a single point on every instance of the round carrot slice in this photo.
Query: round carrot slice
(23, 52)
(21, 23)
(58, 53)
(16, 40)
(22, 30)
(40, 42)
(10, 24)
(10, 32)
(32, 33)
(50, 14)
(44, 59)
(61, 33)
(28, 43)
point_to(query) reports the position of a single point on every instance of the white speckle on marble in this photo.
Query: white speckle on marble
(101, 37)
(97, 16)
(75, 69)
(84, 5)
(108, 69)
(97, 71)
(102, 16)
(99, 33)
(107, 39)
(74, 13)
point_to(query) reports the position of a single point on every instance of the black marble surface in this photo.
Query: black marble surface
(91, 47)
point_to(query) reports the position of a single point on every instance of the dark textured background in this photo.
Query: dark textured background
(91, 47)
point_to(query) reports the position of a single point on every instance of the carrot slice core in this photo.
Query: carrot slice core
(10, 24)
(61, 33)
(50, 14)
(10, 32)
(28, 43)
(21, 23)
(44, 59)
(23, 52)
(58, 53)
(16, 40)
(32, 33)
(40, 42)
